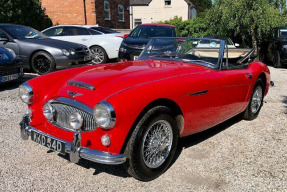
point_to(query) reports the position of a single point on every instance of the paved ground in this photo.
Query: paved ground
(234, 156)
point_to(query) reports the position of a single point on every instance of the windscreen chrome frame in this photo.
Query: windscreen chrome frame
(222, 49)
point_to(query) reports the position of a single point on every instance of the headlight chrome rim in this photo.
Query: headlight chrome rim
(111, 121)
(26, 93)
(49, 107)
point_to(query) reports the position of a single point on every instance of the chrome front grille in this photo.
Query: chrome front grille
(63, 112)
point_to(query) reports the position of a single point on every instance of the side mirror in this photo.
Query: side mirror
(4, 39)
(237, 45)
(125, 35)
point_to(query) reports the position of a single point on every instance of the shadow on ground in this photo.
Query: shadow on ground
(186, 142)
(197, 138)
(116, 170)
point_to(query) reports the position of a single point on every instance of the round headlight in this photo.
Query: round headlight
(65, 52)
(75, 120)
(26, 93)
(105, 115)
(48, 111)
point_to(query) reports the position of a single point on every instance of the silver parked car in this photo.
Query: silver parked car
(40, 53)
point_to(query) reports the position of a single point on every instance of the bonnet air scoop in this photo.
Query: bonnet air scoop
(81, 85)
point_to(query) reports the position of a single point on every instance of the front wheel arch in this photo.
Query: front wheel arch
(170, 104)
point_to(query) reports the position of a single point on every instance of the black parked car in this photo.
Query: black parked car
(40, 53)
(11, 67)
(275, 50)
(136, 41)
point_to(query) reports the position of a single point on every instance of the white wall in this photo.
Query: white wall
(158, 11)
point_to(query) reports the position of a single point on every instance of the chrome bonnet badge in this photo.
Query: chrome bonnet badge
(73, 94)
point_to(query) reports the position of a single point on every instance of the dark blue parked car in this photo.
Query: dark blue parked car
(11, 67)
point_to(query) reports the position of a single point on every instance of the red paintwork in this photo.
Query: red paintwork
(130, 86)
(125, 36)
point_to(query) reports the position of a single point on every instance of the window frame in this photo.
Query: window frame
(123, 13)
(168, 3)
(136, 20)
(109, 10)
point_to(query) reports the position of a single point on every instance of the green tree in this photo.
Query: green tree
(28, 12)
(248, 21)
(202, 5)
(188, 28)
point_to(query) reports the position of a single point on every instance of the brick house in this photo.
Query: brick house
(148, 11)
(106, 13)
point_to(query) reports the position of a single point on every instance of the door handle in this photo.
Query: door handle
(84, 39)
(248, 76)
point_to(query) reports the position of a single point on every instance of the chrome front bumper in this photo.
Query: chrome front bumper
(74, 149)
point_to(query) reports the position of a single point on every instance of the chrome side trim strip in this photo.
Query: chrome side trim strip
(198, 93)
(81, 85)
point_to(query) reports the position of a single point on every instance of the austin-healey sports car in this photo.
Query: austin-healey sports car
(134, 112)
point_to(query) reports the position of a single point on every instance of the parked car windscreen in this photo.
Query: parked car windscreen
(23, 32)
(282, 33)
(143, 31)
(184, 49)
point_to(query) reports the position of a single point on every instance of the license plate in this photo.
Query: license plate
(136, 57)
(49, 142)
(9, 77)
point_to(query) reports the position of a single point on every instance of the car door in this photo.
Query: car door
(237, 86)
(7, 42)
(77, 35)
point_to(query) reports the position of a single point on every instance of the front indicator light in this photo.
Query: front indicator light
(75, 120)
(106, 141)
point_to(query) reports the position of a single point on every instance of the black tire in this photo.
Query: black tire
(276, 59)
(99, 55)
(42, 63)
(256, 101)
(143, 142)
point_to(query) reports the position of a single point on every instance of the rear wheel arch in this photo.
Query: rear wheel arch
(172, 106)
(262, 76)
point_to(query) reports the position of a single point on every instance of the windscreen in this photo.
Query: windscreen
(146, 31)
(22, 32)
(184, 49)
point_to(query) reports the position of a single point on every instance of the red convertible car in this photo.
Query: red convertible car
(134, 113)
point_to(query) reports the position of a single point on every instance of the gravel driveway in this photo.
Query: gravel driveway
(237, 155)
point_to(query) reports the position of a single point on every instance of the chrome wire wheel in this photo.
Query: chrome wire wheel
(98, 55)
(157, 143)
(256, 99)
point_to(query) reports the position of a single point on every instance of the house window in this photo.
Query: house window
(107, 10)
(138, 22)
(121, 12)
(167, 2)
